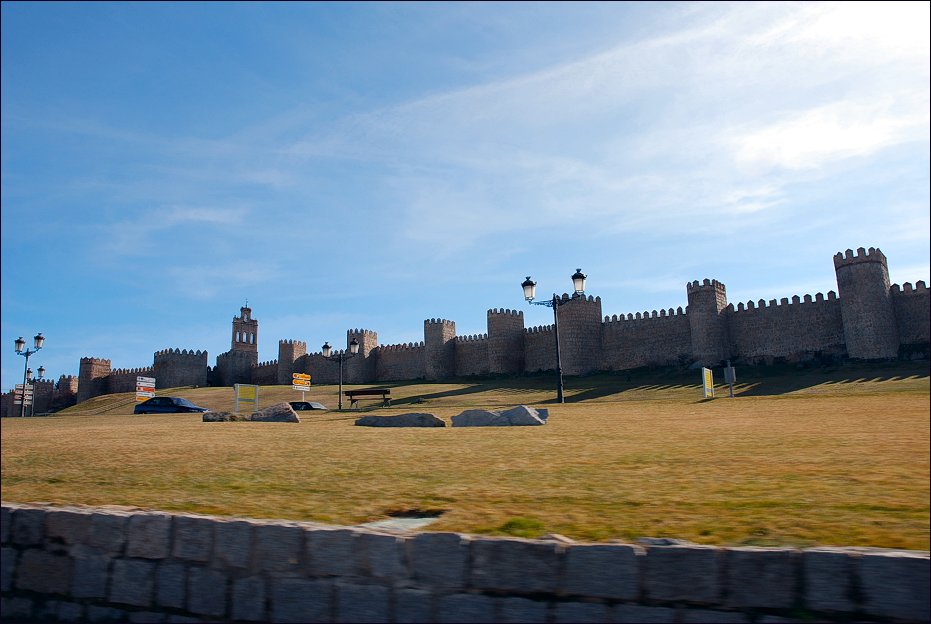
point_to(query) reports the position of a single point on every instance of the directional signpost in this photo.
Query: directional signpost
(145, 388)
(300, 381)
(18, 395)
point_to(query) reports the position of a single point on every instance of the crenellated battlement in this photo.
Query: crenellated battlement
(506, 312)
(472, 338)
(872, 254)
(540, 329)
(164, 353)
(299, 343)
(796, 300)
(146, 370)
(906, 288)
(95, 361)
(663, 313)
(439, 321)
(361, 332)
(265, 364)
(404, 346)
(695, 286)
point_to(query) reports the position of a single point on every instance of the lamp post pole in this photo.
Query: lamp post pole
(35, 389)
(353, 350)
(38, 341)
(530, 292)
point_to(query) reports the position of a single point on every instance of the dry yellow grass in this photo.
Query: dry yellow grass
(838, 458)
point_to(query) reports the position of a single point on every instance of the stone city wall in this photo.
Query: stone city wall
(472, 355)
(180, 367)
(791, 330)
(539, 349)
(266, 373)
(117, 564)
(124, 379)
(912, 318)
(650, 339)
(400, 362)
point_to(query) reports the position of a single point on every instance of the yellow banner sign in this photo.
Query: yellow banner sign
(301, 376)
(708, 383)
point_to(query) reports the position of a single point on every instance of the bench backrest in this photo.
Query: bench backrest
(367, 391)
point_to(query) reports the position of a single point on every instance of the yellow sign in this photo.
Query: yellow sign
(301, 376)
(708, 383)
(245, 392)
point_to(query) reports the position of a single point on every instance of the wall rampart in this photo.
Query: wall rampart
(660, 338)
(913, 316)
(265, 373)
(175, 368)
(400, 362)
(796, 330)
(472, 355)
(91, 564)
(539, 349)
(124, 379)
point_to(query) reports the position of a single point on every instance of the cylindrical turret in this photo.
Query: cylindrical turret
(439, 336)
(866, 304)
(707, 301)
(579, 334)
(505, 341)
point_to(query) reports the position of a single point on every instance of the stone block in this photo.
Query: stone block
(149, 535)
(515, 565)
(766, 578)
(828, 574)
(440, 559)
(331, 552)
(682, 573)
(581, 613)
(193, 538)
(68, 525)
(70, 612)
(232, 544)
(108, 532)
(413, 606)
(636, 614)
(8, 558)
(16, 608)
(43, 572)
(6, 519)
(170, 584)
(105, 614)
(91, 572)
(603, 571)
(147, 617)
(709, 616)
(299, 600)
(206, 593)
(249, 600)
(465, 609)
(28, 528)
(895, 584)
(278, 548)
(133, 582)
(381, 556)
(362, 603)
(520, 610)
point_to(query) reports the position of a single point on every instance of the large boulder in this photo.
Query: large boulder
(519, 416)
(401, 420)
(280, 412)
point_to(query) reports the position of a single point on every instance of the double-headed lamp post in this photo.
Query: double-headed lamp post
(530, 293)
(41, 371)
(353, 350)
(39, 340)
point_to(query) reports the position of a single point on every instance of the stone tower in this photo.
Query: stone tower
(288, 352)
(505, 341)
(361, 368)
(579, 334)
(439, 348)
(707, 301)
(866, 304)
(92, 378)
(245, 332)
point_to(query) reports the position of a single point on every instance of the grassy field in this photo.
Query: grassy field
(830, 456)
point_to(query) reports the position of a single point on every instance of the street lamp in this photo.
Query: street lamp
(39, 340)
(35, 390)
(353, 350)
(530, 293)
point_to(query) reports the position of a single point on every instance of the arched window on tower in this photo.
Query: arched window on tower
(237, 337)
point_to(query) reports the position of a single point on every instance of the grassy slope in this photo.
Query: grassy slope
(830, 456)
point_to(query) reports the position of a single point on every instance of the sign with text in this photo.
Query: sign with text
(246, 393)
(18, 395)
(707, 383)
(145, 388)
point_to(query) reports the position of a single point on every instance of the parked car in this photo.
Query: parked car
(167, 405)
(306, 406)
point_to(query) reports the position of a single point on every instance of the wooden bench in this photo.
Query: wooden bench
(384, 393)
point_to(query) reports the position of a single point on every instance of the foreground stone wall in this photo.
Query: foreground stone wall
(70, 564)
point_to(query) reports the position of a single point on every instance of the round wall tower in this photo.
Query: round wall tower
(866, 304)
(505, 341)
(707, 301)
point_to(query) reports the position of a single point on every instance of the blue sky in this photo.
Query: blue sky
(373, 165)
